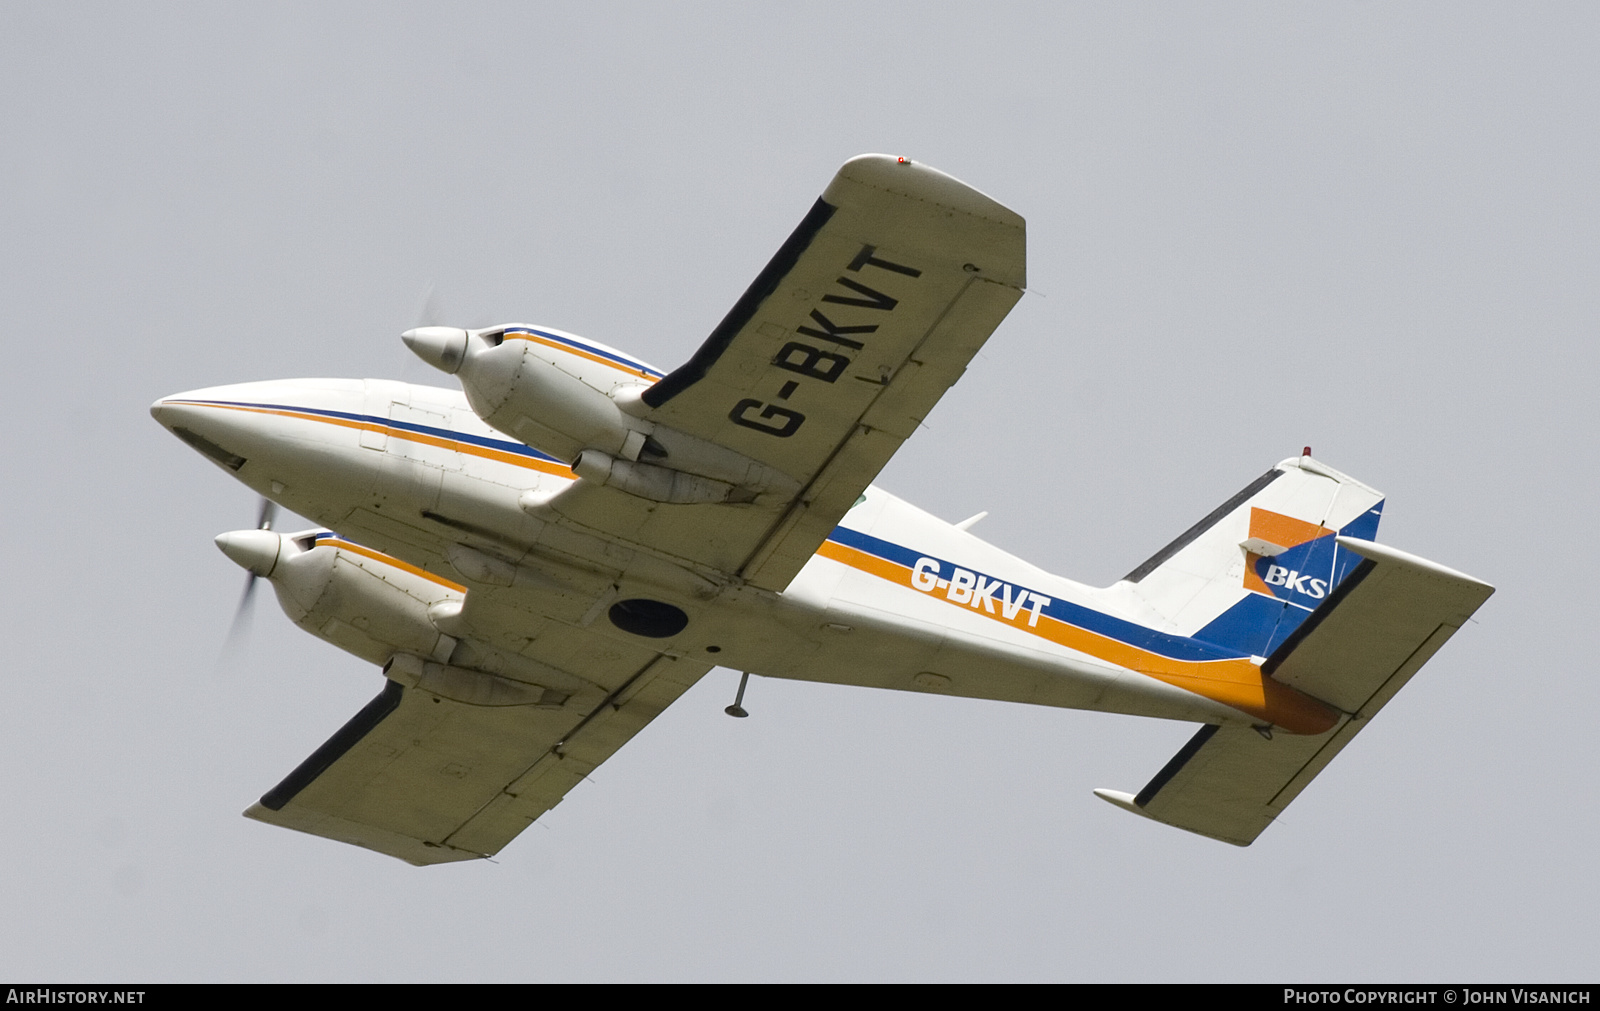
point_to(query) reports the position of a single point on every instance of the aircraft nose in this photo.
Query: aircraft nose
(164, 412)
(174, 410)
(208, 431)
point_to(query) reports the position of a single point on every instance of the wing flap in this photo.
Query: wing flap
(547, 781)
(1355, 652)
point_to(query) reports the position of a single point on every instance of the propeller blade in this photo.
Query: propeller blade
(428, 311)
(431, 311)
(239, 630)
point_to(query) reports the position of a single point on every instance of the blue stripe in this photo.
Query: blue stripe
(1258, 625)
(1174, 647)
(405, 426)
(471, 440)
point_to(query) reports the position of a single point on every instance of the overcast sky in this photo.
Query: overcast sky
(1371, 228)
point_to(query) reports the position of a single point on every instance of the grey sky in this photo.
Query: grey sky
(1367, 227)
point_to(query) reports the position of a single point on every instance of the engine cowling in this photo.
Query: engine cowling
(399, 618)
(516, 386)
(528, 384)
(359, 604)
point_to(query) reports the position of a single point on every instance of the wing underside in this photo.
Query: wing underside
(431, 779)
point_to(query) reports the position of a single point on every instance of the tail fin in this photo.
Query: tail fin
(1249, 574)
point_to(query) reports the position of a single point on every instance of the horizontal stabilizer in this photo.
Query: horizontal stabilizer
(1382, 623)
(1354, 652)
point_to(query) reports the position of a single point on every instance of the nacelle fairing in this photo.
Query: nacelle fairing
(396, 616)
(579, 401)
(544, 387)
(348, 595)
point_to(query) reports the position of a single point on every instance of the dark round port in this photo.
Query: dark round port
(652, 618)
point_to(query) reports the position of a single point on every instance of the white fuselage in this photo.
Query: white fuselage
(411, 471)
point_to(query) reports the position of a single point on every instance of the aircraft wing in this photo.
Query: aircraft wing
(430, 779)
(1354, 652)
(831, 359)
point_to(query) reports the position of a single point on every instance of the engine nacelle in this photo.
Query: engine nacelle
(581, 403)
(359, 603)
(556, 401)
(397, 617)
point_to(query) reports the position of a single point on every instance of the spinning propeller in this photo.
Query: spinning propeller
(430, 315)
(235, 545)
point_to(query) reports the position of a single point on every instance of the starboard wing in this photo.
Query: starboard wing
(831, 359)
(1354, 652)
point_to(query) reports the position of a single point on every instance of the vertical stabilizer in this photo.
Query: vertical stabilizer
(1248, 574)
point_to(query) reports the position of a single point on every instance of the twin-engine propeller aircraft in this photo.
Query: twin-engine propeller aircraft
(543, 564)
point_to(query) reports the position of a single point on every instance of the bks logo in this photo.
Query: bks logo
(1296, 582)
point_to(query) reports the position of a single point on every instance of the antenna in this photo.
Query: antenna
(736, 709)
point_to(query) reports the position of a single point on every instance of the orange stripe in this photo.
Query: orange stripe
(1276, 528)
(858, 559)
(1237, 683)
(1252, 580)
(515, 459)
(359, 549)
(569, 349)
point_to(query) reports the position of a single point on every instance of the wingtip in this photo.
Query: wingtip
(921, 181)
(1125, 801)
(1394, 556)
